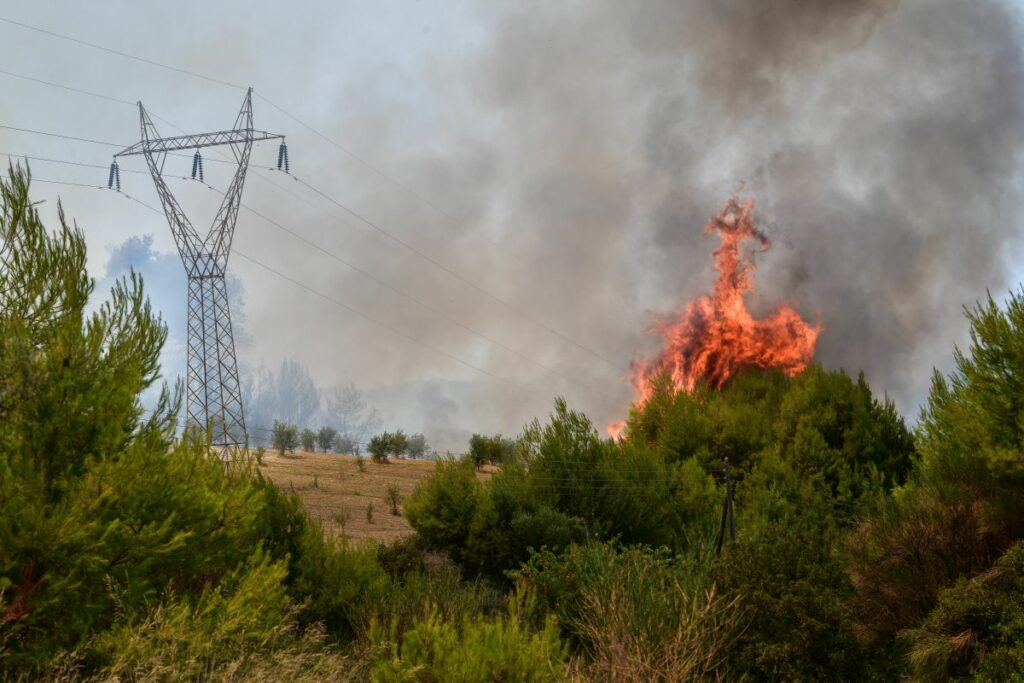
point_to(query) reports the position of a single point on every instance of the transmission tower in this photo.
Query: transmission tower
(214, 393)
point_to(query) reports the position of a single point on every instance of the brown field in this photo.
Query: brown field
(340, 487)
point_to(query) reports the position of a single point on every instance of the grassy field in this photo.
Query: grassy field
(331, 485)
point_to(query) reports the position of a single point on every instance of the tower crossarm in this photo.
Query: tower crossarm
(180, 142)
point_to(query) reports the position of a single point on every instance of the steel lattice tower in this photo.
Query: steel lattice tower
(214, 393)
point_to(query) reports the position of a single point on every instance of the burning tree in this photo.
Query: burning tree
(715, 335)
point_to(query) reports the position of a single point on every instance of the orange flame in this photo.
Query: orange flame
(715, 336)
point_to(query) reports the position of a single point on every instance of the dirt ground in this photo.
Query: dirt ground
(331, 485)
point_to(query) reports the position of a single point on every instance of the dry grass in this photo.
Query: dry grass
(340, 487)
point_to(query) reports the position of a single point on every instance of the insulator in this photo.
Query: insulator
(282, 158)
(201, 179)
(197, 162)
(117, 177)
(110, 180)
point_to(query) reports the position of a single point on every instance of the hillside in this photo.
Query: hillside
(329, 484)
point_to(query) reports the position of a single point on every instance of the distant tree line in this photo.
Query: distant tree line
(290, 396)
(397, 444)
(286, 438)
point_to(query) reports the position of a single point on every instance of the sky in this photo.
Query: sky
(523, 186)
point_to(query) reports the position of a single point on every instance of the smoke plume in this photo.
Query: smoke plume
(571, 153)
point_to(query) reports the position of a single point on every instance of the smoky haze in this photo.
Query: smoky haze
(565, 157)
(881, 141)
(580, 149)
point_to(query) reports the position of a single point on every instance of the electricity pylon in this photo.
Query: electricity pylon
(214, 393)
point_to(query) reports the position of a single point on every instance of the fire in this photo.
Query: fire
(715, 335)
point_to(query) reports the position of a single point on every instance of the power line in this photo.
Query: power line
(119, 53)
(60, 182)
(12, 155)
(380, 172)
(66, 87)
(60, 135)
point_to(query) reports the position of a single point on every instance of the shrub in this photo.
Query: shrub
(360, 463)
(340, 585)
(639, 614)
(326, 437)
(785, 569)
(148, 520)
(479, 650)
(308, 439)
(380, 447)
(401, 557)
(627, 491)
(976, 627)
(960, 511)
(346, 444)
(341, 519)
(441, 508)
(369, 512)
(239, 616)
(393, 498)
(284, 437)
(493, 450)
(243, 629)
(486, 527)
(417, 446)
(399, 444)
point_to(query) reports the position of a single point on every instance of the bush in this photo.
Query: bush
(498, 649)
(284, 437)
(239, 618)
(401, 557)
(346, 445)
(380, 447)
(492, 450)
(441, 508)
(417, 446)
(399, 444)
(393, 498)
(308, 440)
(639, 614)
(326, 437)
(244, 629)
(961, 510)
(485, 527)
(785, 569)
(339, 584)
(629, 491)
(976, 627)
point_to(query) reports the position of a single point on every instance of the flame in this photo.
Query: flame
(715, 336)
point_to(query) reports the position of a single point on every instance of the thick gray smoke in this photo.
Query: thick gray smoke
(880, 139)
